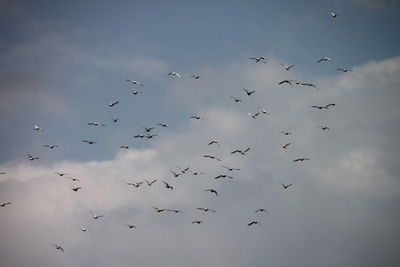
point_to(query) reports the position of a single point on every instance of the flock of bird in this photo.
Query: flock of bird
(181, 171)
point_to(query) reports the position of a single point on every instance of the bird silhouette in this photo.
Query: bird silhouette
(211, 191)
(5, 204)
(211, 157)
(286, 186)
(248, 92)
(31, 158)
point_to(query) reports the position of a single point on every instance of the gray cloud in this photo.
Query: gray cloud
(341, 211)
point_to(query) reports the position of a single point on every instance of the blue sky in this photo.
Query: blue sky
(61, 61)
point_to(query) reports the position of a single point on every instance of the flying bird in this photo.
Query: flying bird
(37, 128)
(263, 110)
(111, 104)
(174, 74)
(254, 115)
(61, 173)
(286, 186)
(261, 210)
(176, 211)
(206, 209)
(163, 124)
(333, 14)
(196, 77)
(310, 85)
(211, 157)
(284, 146)
(214, 142)
(286, 132)
(237, 100)
(197, 117)
(76, 188)
(301, 159)
(330, 105)
(286, 81)
(324, 59)
(73, 179)
(135, 92)
(149, 136)
(58, 247)
(197, 222)
(5, 204)
(125, 147)
(254, 222)
(150, 183)
(260, 58)
(96, 124)
(135, 82)
(243, 152)
(147, 130)
(114, 120)
(223, 176)
(324, 128)
(287, 67)
(83, 229)
(175, 174)
(319, 107)
(95, 216)
(184, 170)
(168, 186)
(211, 191)
(131, 226)
(31, 158)
(158, 209)
(137, 184)
(344, 70)
(139, 136)
(248, 92)
(230, 168)
(197, 173)
(89, 142)
(50, 146)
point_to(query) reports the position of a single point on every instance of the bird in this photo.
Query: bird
(301, 159)
(253, 222)
(150, 183)
(61, 173)
(175, 174)
(5, 204)
(260, 58)
(254, 115)
(139, 136)
(147, 130)
(287, 67)
(196, 77)
(135, 82)
(248, 92)
(51, 146)
(76, 188)
(237, 100)
(58, 247)
(261, 210)
(73, 179)
(286, 186)
(344, 70)
(324, 128)
(135, 92)
(284, 146)
(319, 107)
(168, 186)
(96, 124)
(95, 216)
(131, 226)
(89, 142)
(286, 81)
(174, 74)
(31, 158)
(196, 117)
(184, 170)
(37, 128)
(211, 157)
(176, 211)
(197, 173)
(125, 147)
(114, 120)
(263, 110)
(149, 136)
(211, 191)
(111, 104)
(230, 168)
(310, 85)
(324, 59)
(286, 132)
(197, 222)
(330, 105)
(137, 184)
(243, 152)
(333, 14)
(83, 229)
(223, 176)
(158, 209)
(214, 142)
(163, 124)
(206, 209)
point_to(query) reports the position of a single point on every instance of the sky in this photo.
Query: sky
(62, 62)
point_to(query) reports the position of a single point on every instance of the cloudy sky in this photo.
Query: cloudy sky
(60, 62)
